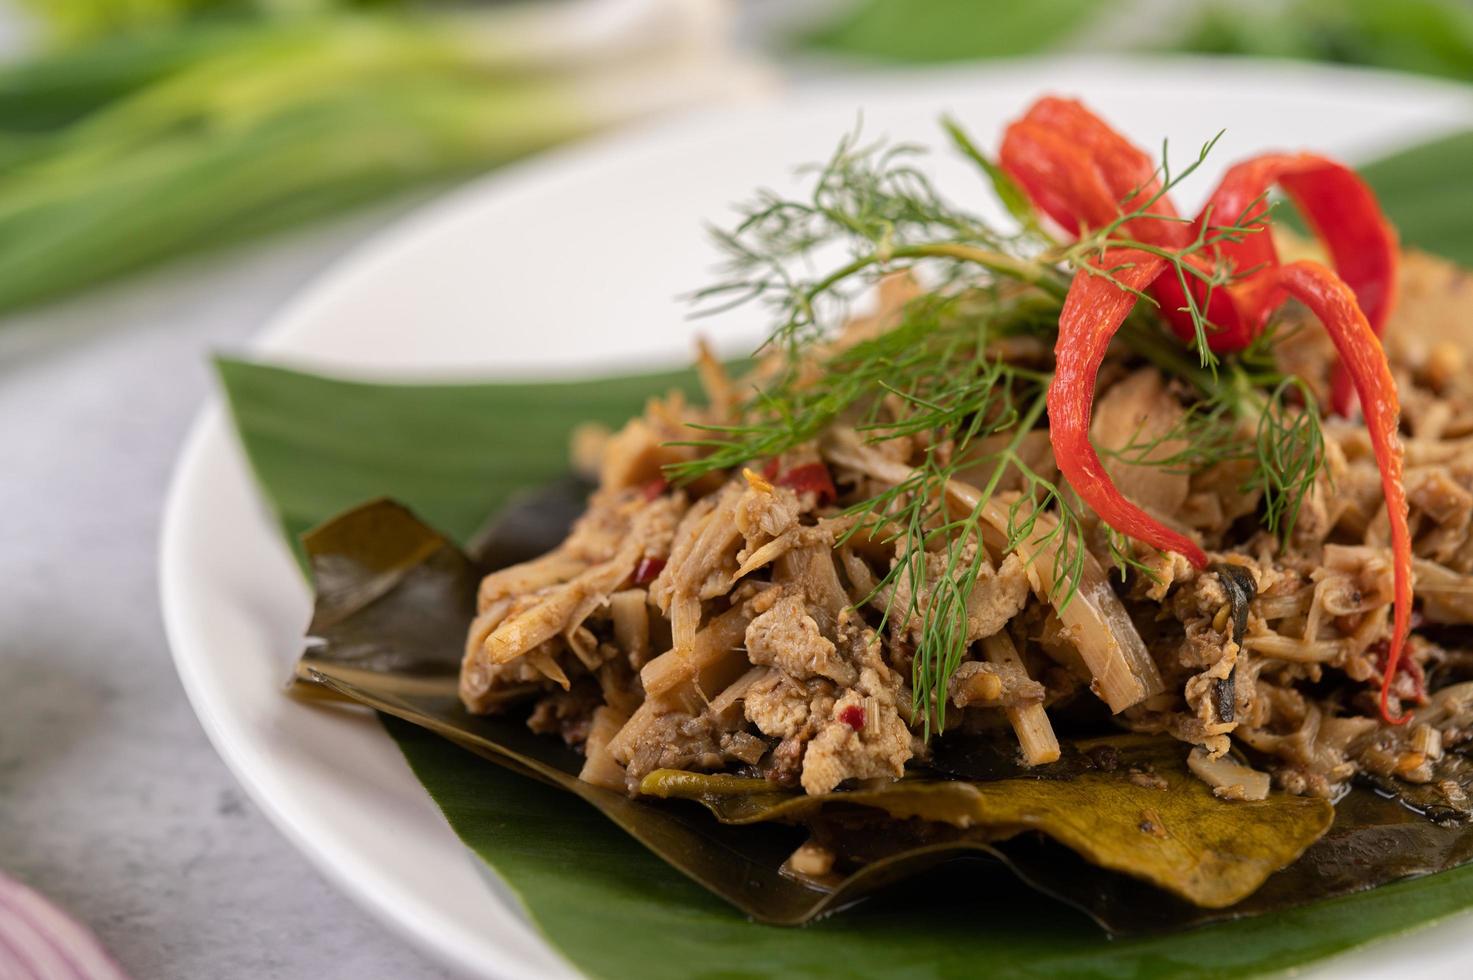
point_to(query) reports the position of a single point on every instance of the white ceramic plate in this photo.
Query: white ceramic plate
(570, 264)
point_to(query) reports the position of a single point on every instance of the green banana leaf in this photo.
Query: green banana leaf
(608, 906)
(454, 480)
(320, 445)
(1426, 191)
(1434, 37)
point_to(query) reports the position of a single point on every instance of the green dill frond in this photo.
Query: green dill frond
(1207, 433)
(870, 199)
(932, 366)
(1123, 557)
(1291, 453)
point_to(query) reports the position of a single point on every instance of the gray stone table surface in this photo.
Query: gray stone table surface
(112, 802)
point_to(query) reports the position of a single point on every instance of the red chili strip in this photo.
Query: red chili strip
(1228, 326)
(1083, 174)
(1333, 301)
(1340, 208)
(1093, 312)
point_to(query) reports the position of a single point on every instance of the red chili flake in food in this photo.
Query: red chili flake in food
(655, 487)
(647, 569)
(811, 477)
(853, 716)
(769, 469)
(1404, 666)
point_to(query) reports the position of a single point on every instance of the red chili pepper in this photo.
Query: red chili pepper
(648, 570)
(1093, 312)
(853, 716)
(811, 477)
(1083, 175)
(1345, 216)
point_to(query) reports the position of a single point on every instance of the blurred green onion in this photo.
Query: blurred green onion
(181, 139)
(65, 84)
(70, 21)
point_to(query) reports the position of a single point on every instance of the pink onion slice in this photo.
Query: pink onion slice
(38, 941)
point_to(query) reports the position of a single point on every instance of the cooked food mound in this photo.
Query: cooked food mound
(1108, 468)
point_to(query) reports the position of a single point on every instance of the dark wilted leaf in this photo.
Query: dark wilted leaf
(1174, 833)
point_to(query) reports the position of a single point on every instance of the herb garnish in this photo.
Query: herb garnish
(939, 379)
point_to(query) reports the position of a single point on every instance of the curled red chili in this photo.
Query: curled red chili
(1083, 175)
(1345, 216)
(1093, 312)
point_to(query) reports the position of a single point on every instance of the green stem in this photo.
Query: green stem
(1034, 273)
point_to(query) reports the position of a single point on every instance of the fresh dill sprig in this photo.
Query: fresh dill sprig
(1123, 558)
(933, 363)
(873, 201)
(1208, 432)
(1290, 452)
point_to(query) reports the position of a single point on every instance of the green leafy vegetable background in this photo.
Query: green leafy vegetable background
(237, 118)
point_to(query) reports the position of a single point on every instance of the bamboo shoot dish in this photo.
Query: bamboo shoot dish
(1175, 511)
